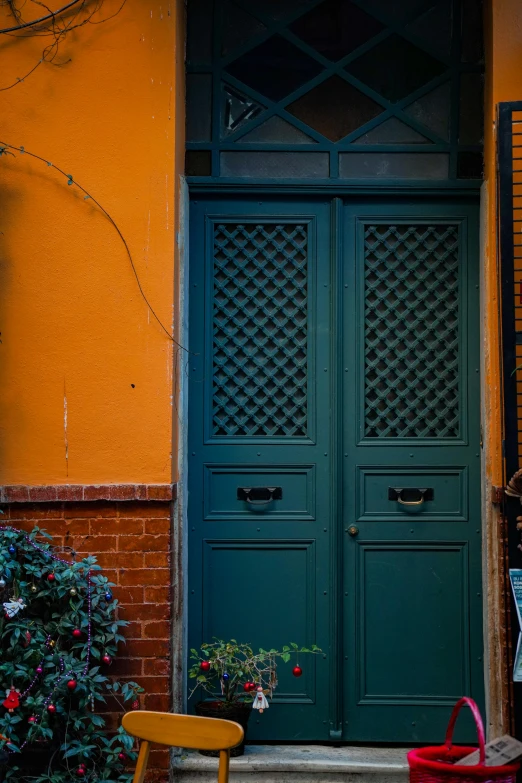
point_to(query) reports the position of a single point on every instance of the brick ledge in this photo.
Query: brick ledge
(24, 493)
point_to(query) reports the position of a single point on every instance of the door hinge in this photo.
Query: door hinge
(497, 495)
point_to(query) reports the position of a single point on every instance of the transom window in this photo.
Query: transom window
(334, 89)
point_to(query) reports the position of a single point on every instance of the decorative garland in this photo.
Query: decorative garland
(58, 622)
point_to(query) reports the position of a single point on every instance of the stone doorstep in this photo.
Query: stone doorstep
(299, 764)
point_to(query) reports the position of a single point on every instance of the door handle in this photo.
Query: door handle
(410, 496)
(259, 496)
(353, 530)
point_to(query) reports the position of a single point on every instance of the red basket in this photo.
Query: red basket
(439, 763)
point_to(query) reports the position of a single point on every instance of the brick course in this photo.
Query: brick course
(132, 541)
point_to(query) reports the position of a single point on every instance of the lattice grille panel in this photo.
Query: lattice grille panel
(411, 331)
(260, 330)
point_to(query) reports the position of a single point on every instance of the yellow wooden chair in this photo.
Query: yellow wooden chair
(184, 731)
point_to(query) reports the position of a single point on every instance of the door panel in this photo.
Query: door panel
(413, 634)
(335, 361)
(259, 333)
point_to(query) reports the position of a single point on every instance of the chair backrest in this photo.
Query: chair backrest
(186, 731)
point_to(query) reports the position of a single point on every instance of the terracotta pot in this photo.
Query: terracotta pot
(237, 711)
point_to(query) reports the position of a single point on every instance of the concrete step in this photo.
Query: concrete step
(299, 764)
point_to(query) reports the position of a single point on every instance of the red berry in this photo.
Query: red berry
(204, 666)
(51, 709)
(107, 659)
(135, 705)
(32, 719)
(51, 577)
(80, 772)
(77, 634)
(72, 685)
(297, 671)
(122, 756)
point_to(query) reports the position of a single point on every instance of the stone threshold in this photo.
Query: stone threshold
(300, 763)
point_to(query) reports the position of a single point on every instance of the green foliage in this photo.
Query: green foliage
(41, 635)
(242, 665)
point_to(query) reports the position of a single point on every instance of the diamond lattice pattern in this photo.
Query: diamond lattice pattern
(411, 331)
(260, 330)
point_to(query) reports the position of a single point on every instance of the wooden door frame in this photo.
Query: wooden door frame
(495, 670)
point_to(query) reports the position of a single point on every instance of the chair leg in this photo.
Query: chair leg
(224, 765)
(141, 764)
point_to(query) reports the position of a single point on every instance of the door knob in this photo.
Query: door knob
(352, 530)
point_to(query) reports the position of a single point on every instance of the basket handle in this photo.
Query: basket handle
(478, 723)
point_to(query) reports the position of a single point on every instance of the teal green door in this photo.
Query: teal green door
(334, 368)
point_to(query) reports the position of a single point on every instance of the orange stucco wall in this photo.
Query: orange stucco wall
(86, 375)
(503, 39)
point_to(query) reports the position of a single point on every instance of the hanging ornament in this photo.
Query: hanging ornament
(72, 685)
(12, 702)
(51, 577)
(248, 687)
(107, 659)
(226, 676)
(260, 702)
(31, 719)
(135, 704)
(39, 670)
(122, 757)
(108, 596)
(51, 709)
(12, 550)
(73, 591)
(2, 583)
(204, 666)
(52, 643)
(77, 634)
(13, 607)
(33, 589)
(297, 671)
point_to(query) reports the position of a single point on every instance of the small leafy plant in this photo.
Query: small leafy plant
(237, 671)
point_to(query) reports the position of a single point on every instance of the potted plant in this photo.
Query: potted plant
(239, 679)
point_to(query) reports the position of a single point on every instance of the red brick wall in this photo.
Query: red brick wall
(132, 542)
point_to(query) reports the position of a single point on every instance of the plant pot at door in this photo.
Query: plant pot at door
(237, 711)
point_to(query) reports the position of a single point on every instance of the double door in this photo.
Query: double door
(334, 457)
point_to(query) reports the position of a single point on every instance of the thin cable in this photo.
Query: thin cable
(42, 19)
(70, 181)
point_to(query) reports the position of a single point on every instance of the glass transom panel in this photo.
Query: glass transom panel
(399, 79)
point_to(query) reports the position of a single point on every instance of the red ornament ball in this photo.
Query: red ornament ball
(122, 757)
(297, 671)
(32, 719)
(80, 772)
(51, 577)
(51, 709)
(72, 685)
(107, 659)
(204, 666)
(77, 634)
(249, 687)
